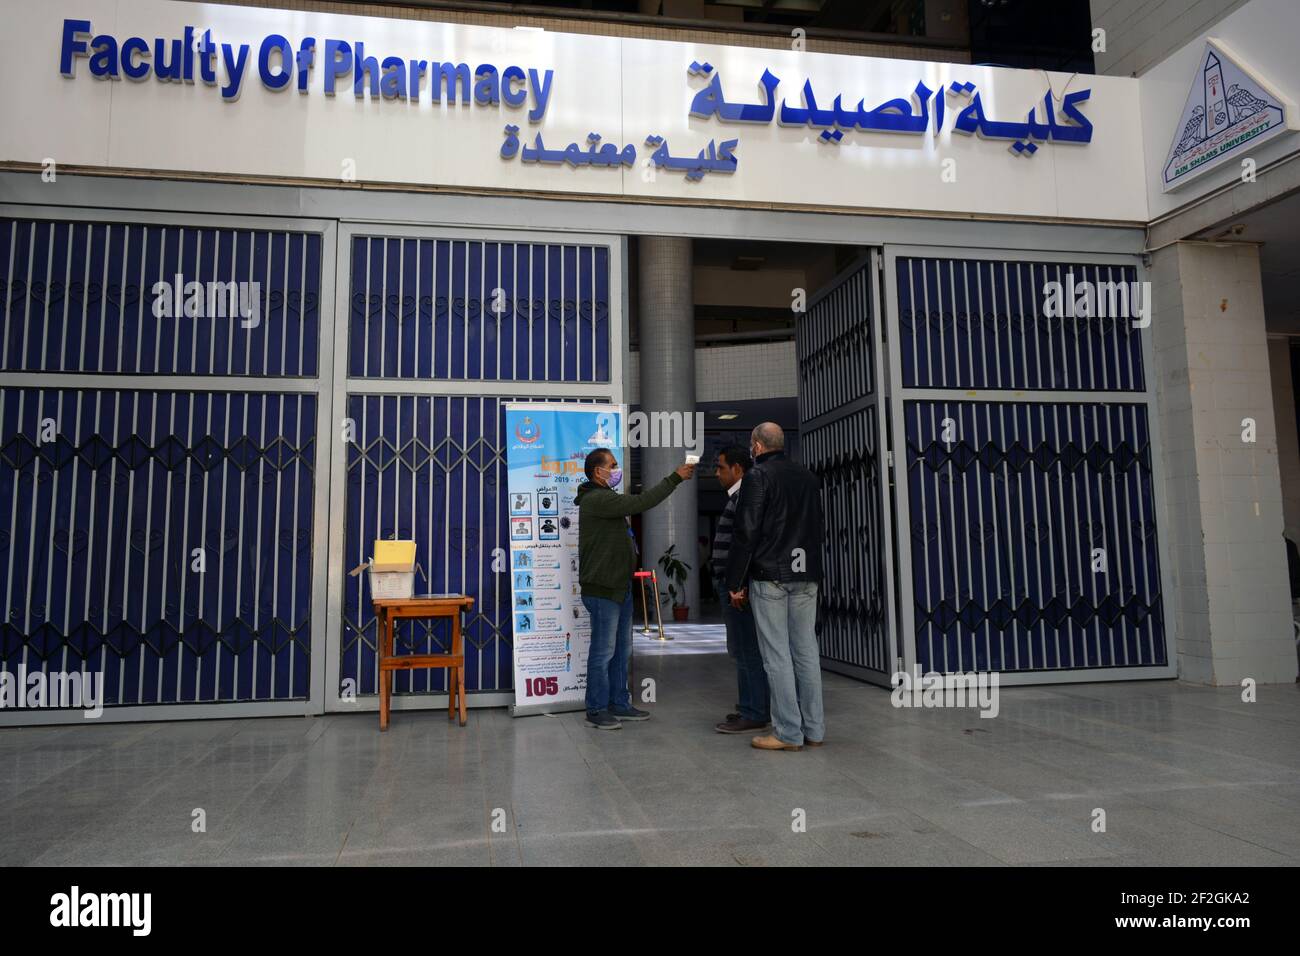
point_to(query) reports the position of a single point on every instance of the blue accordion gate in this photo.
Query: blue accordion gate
(1009, 521)
(184, 488)
(160, 504)
(841, 427)
(186, 492)
(442, 330)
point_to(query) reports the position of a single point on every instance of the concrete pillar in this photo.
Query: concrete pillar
(666, 320)
(1223, 522)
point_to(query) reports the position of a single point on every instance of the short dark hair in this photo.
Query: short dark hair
(595, 459)
(737, 455)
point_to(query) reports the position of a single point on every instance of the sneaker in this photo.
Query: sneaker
(739, 726)
(602, 721)
(629, 713)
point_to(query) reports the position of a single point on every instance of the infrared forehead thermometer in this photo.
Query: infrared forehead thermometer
(692, 459)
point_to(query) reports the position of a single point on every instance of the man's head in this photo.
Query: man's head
(766, 437)
(733, 462)
(601, 466)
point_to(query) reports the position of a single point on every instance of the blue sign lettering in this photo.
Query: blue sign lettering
(172, 60)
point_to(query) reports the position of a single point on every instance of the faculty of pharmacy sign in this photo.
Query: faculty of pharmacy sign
(279, 64)
(1229, 111)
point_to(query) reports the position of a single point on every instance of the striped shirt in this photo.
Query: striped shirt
(722, 536)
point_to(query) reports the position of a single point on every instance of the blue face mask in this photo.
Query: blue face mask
(615, 476)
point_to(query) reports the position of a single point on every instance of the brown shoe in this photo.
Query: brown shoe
(813, 743)
(772, 742)
(739, 726)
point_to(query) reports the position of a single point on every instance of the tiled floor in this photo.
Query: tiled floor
(1185, 775)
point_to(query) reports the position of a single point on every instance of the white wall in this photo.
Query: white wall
(764, 288)
(1223, 496)
(733, 373)
(1141, 33)
(621, 88)
(1263, 33)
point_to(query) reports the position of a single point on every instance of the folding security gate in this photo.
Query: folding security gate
(183, 494)
(1018, 467)
(842, 437)
(159, 466)
(443, 329)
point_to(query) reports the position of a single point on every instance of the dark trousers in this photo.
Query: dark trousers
(742, 644)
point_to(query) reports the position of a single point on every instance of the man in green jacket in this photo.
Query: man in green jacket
(607, 556)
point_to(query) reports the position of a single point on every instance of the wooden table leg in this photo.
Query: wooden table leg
(460, 680)
(385, 677)
(386, 619)
(457, 648)
(451, 676)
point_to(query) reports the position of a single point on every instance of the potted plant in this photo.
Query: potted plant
(675, 571)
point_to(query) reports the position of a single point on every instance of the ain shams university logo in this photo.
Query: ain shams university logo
(1228, 111)
(528, 431)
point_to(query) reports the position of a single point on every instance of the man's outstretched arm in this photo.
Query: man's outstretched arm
(618, 506)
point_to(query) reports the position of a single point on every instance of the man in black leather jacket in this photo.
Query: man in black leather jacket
(775, 563)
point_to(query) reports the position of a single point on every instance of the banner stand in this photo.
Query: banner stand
(547, 444)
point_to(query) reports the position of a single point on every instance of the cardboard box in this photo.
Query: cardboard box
(392, 569)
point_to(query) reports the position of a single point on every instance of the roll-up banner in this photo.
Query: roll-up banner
(547, 444)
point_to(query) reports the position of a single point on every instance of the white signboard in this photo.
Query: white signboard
(1229, 111)
(194, 89)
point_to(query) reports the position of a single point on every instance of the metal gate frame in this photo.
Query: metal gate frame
(331, 386)
(344, 386)
(318, 385)
(896, 395)
(872, 262)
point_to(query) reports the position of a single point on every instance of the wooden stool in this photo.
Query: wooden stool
(432, 607)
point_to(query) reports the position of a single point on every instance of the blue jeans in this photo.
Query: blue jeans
(742, 645)
(786, 615)
(611, 651)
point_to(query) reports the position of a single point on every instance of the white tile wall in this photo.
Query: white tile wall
(1224, 496)
(1141, 33)
(729, 373)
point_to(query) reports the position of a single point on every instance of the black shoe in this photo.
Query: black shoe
(602, 721)
(628, 713)
(740, 726)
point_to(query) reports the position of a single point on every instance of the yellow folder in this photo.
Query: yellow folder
(394, 556)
